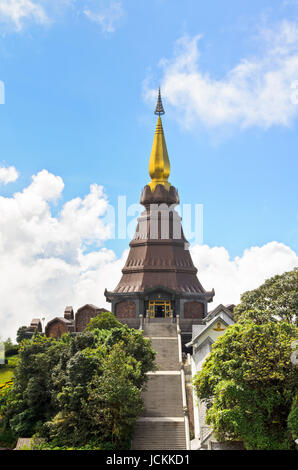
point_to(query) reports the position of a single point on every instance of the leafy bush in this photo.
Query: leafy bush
(10, 348)
(275, 300)
(249, 384)
(22, 334)
(103, 321)
(7, 438)
(80, 390)
(13, 361)
(293, 419)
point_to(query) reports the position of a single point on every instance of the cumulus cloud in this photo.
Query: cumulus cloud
(106, 15)
(16, 12)
(49, 261)
(15, 15)
(8, 174)
(232, 277)
(258, 91)
(46, 261)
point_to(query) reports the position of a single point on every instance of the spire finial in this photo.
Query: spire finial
(159, 165)
(159, 107)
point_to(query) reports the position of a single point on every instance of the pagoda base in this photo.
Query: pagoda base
(158, 302)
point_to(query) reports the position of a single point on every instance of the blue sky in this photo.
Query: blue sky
(80, 80)
(75, 106)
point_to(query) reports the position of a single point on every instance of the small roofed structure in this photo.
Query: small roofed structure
(68, 313)
(58, 326)
(226, 309)
(84, 315)
(231, 307)
(203, 336)
(35, 325)
(71, 323)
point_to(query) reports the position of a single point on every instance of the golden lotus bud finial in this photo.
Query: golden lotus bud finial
(159, 165)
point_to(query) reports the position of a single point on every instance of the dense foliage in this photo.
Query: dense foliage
(249, 383)
(22, 333)
(275, 300)
(81, 390)
(293, 419)
(11, 349)
(104, 321)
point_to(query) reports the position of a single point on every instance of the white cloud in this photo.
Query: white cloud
(8, 174)
(16, 12)
(15, 15)
(290, 3)
(232, 277)
(106, 15)
(49, 261)
(255, 92)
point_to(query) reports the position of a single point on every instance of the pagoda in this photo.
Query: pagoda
(159, 278)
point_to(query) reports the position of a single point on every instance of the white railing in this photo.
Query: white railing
(184, 400)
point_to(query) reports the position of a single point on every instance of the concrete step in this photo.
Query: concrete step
(162, 424)
(160, 329)
(163, 396)
(159, 436)
(167, 353)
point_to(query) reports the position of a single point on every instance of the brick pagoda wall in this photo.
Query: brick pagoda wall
(125, 309)
(193, 309)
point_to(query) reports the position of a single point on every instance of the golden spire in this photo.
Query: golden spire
(159, 165)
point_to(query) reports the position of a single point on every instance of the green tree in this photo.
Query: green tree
(69, 390)
(135, 345)
(114, 401)
(249, 383)
(22, 333)
(103, 321)
(275, 300)
(293, 419)
(30, 402)
(11, 349)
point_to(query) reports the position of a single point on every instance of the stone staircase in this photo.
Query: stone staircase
(162, 424)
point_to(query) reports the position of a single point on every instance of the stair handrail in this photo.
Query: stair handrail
(183, 385)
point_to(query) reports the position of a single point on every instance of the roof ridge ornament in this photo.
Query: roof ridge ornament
(159, 110)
